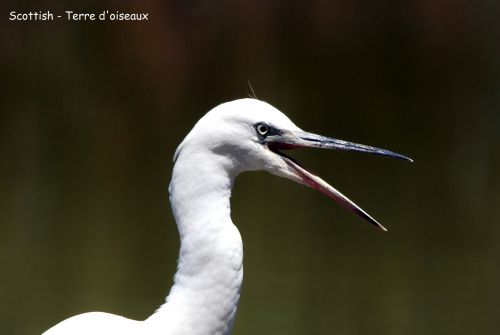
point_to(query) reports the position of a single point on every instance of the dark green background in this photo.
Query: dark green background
(92, 112)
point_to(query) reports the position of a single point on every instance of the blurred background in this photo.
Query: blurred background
(91, 113)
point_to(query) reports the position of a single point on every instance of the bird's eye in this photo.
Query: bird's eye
(262, 128)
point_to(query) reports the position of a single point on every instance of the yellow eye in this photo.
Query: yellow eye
(262, 129)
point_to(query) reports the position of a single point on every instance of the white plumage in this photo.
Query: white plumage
(234, 137)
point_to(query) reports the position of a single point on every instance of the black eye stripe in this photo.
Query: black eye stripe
(263, 130)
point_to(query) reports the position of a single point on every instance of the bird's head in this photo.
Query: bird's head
(249, 134)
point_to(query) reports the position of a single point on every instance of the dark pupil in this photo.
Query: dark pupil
(262, 129)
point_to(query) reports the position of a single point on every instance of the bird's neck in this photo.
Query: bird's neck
(206, 290)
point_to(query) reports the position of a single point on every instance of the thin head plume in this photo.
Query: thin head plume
(252, 92)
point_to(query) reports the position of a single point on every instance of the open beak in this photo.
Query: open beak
(286, 140)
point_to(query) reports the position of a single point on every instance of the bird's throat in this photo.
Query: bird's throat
(210, 267)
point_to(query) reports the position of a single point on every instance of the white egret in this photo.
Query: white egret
(234, 137)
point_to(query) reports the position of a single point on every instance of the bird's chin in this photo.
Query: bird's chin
(295, 171)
